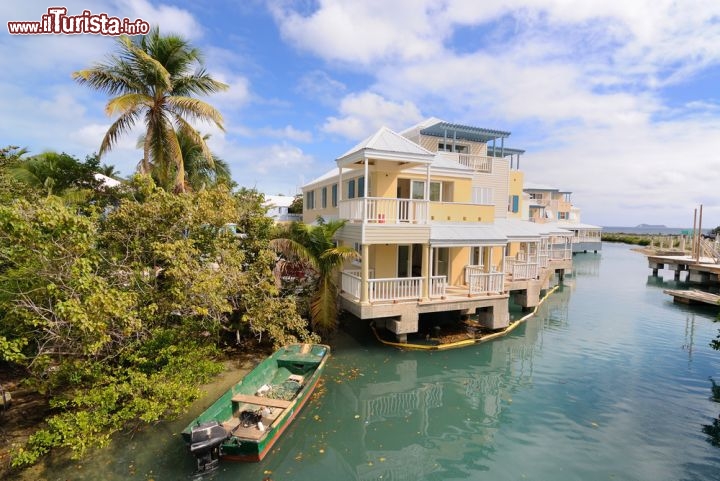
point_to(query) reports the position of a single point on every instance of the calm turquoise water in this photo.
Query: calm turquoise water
(611, 381)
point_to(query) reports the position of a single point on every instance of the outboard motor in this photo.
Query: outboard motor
(205, 441)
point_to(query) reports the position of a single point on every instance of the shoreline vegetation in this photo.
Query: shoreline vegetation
(670, 243)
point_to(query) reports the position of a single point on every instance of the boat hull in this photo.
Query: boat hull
(271, 395)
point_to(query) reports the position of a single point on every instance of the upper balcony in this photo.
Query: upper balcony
(384, 210)
(381, 210)
(478, 163)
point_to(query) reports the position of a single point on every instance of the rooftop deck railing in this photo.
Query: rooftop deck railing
(478, 163)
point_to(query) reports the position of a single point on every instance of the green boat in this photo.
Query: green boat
(251, 416)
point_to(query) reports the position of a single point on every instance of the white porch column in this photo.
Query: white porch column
(425, 271)
(364, 274)
(340, 185)
(427, 185)
(365, 192)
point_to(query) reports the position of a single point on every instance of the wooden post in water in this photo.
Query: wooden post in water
(699, 237)
(692, 250)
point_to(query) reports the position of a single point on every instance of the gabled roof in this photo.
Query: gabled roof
(279, 200)
(330, 174)
(386, 143)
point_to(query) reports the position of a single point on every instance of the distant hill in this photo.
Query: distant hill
(651, 226)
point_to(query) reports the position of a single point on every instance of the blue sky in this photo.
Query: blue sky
(616, 101)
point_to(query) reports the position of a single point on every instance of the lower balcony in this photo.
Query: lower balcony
(519, 270)
(411, 288)
(392, 289)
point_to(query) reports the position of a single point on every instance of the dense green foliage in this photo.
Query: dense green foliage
(156, 78)
(118, 317)
(313, 247)
(642, 240)
(297, 205)
(10, 187)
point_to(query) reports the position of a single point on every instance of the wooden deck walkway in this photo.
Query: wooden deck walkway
(693, 296)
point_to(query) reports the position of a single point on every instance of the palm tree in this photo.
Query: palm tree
(199, 173)
(57, 174)
(314, 246)
(109, 170)
(152, 77)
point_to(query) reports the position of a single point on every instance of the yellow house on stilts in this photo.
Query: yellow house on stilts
(435, 213)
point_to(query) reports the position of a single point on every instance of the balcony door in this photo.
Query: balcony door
(409, 260)
(441, 262)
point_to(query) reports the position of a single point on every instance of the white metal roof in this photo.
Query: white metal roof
(523, 230)
(105, 180)
(578, 225)
(386, 140)
(330, 174)
(279, 200)
(450, 234)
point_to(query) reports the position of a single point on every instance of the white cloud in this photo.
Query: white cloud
(236, 96)
(272, 168)
(363, 113)
(362, 32)
(170, 19)
(653, 173)
(318, 85)
(287, 133)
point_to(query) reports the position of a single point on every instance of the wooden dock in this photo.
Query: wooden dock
(693, 296)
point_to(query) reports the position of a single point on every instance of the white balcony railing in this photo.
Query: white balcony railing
(351, 283)
(473, 269)
(438, 285)
(392, 289)
(543, 260)
(381, 210)
(521, 270)
(486, 283)
(395, 289)
(478, 163)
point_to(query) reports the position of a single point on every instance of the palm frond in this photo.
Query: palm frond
(201, 83)
(295, 251)
(323, 307)
(126, 102)
(122, 125)
(194, 136)
(150, 66)
(195, 109)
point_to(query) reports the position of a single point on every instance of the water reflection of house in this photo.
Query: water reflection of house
(423, 417)
(436, 214)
